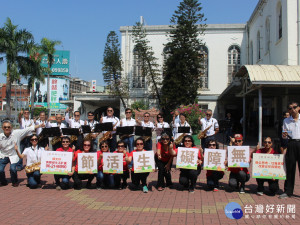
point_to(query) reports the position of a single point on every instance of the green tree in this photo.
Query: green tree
(14, 43)
(112, 67)
(182, 66)
(48, 48)
(145, 53)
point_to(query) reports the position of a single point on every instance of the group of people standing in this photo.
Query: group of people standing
(26, 142)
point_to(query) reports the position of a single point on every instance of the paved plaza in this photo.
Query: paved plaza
(46, 205)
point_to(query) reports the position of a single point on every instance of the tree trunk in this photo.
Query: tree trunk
(8, 93)
(48, 93)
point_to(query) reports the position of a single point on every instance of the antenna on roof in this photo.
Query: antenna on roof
(142, 21)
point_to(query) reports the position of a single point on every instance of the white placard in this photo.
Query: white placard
(238, 156)
(214, 159)
(87, 163)
(268, 166)
(187, 158)
(112, 162)
(143, 161)
(56, 162)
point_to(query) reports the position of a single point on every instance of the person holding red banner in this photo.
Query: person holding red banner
(33, 156)
(213, 176)
(273, 184)
(121, 148)
(65, 141)
(164, 159)
(78, 178)
(187, 177)
(238, 176)
(103, 179)
(138, 178)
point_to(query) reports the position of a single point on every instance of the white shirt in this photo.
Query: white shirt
(128, 123)
(112, 119)
(92, 124)
(33, 155)
(39, 130)
(161, 126)
(7, 144)
(73, 123)
(185, 124)
(289, 124)
(26, 123)
(206, 123)
(149, 124)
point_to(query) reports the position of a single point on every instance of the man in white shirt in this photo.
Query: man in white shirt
(59, 124)
(41, 120)
(147, 123)
(176, 119)
(8, 139)
(110, 118)
(92, 123)
(212, 126)
(75, 123)
(291, 130)
(24, 122)
(128, 122)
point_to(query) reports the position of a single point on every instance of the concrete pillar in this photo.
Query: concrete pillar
(260, 116)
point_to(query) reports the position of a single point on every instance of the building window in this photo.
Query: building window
(258, 46)
(204, 64)
(234, 61)
(279, 20)
(267, 35)
(138, 78)
(203, 106)
(251, 53)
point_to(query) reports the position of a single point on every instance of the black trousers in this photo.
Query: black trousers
(273, 185)
(291, 158)
(162, 173)
(78, 178)
(119, 177)
(138, 178)
(235, 178)
(188, 178)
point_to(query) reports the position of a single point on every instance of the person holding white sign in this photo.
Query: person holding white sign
(188, 178)
(239, 175)
(273, 184)
(138, 178)
(65, 141)
(33, 160)
(213, 176)
(121, 148)
(164, 159)
(87, 146)
(103, 179)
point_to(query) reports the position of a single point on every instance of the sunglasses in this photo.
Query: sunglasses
(65, 142)
(127, 112)
(121, 146)
(109, 110)
(165, 139)
(104, 146)
(268, 142)
(26, 112)
(139, 143)
(159, 117)
(33, 139)
(187, 140)
(238, 141)
(77, 115)
(5, 127)
(208, 114)
(85, 145)
(212, 145)
(293, 107)
(146, 116)
(90, 115)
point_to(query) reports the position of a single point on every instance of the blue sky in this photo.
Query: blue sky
(82, 26)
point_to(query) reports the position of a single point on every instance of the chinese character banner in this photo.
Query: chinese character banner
(238, 156)
(56, 162)
(214, 159)
(187, 158)
(268, 166)
(113, 163)
(143, 162)
(87, 163)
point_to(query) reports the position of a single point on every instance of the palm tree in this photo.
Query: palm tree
(48, 48)
(14, 42)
